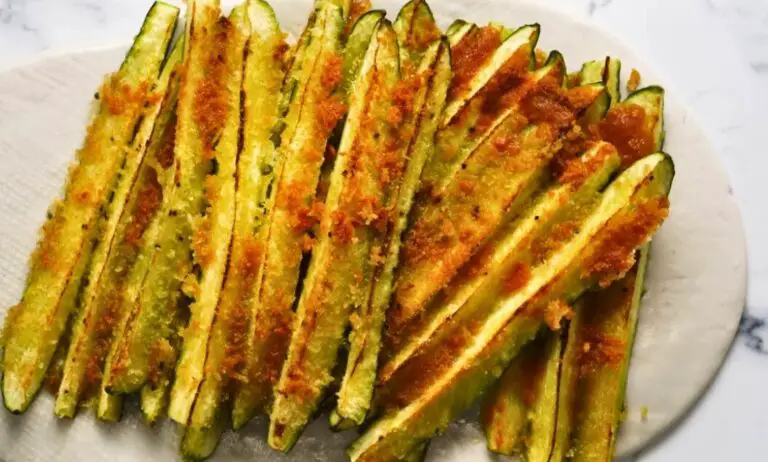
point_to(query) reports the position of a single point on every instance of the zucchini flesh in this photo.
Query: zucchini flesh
(416, 32)
(100, 304)
(356, 391)
(480, 350)
(213, 230)
(263, 76)
(485, 191)
(63, 255)
(558, 207)
(518, 417)
(314, 109)
(340, 273)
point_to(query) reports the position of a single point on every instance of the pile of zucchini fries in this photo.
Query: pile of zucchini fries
(402, 218)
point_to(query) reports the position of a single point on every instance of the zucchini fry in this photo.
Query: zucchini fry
(487, 84)
(504, 428)
(64, 254)
(217, 146)
(343, 260)
(519, 416)
(524, 241)
(101, 305)
(494, 183)
(256, 165)
(416, 32)
(144, 343)
(593, 400)
(313, 105)
(436, 390)
(355, 395)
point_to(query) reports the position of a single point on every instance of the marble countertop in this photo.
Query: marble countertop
(712, 53)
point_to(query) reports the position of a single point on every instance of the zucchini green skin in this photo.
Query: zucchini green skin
(100, 307)
(301, 145)
(198, 444)
(559, 203)
(607, 71)
(341, 270)
(435, 252)
(354, 397)
(263, 76)
(457, 31)
(63, 255)
(507, 326)
(151, 324)
(519, 416)
(416, 31)
(592, 420)
(214, 228)
(357, 43)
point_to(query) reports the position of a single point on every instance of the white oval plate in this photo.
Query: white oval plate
(696, 284)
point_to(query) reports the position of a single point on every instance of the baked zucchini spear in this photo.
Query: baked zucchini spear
(77, 229)
(312, 104)
(263, 76)
(344, 259)
(416, 32)
(519, 415)
(524, 241)
(505, 431)
(487, 83)
(431, 391)
(145, 343)
(215, 146)
(431, 78)
(492, 185)
(592, 401)
(101, 302)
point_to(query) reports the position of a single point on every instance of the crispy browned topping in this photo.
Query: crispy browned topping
(118, 97)
(624, 127)
(505, 88)
(576, 171)
(161, 358)
(423, 29)
(211, 98)
(634, 80)
(165, 154)
(517, 278)
(615, 254)
(148, 201)
(555, 311)
(357, 8)
(329, 114)
(600, 349)
(201, 242)
(470, 54)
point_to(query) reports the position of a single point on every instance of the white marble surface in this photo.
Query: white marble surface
(712, 53)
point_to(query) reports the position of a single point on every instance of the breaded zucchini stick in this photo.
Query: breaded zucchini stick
(76, 228)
